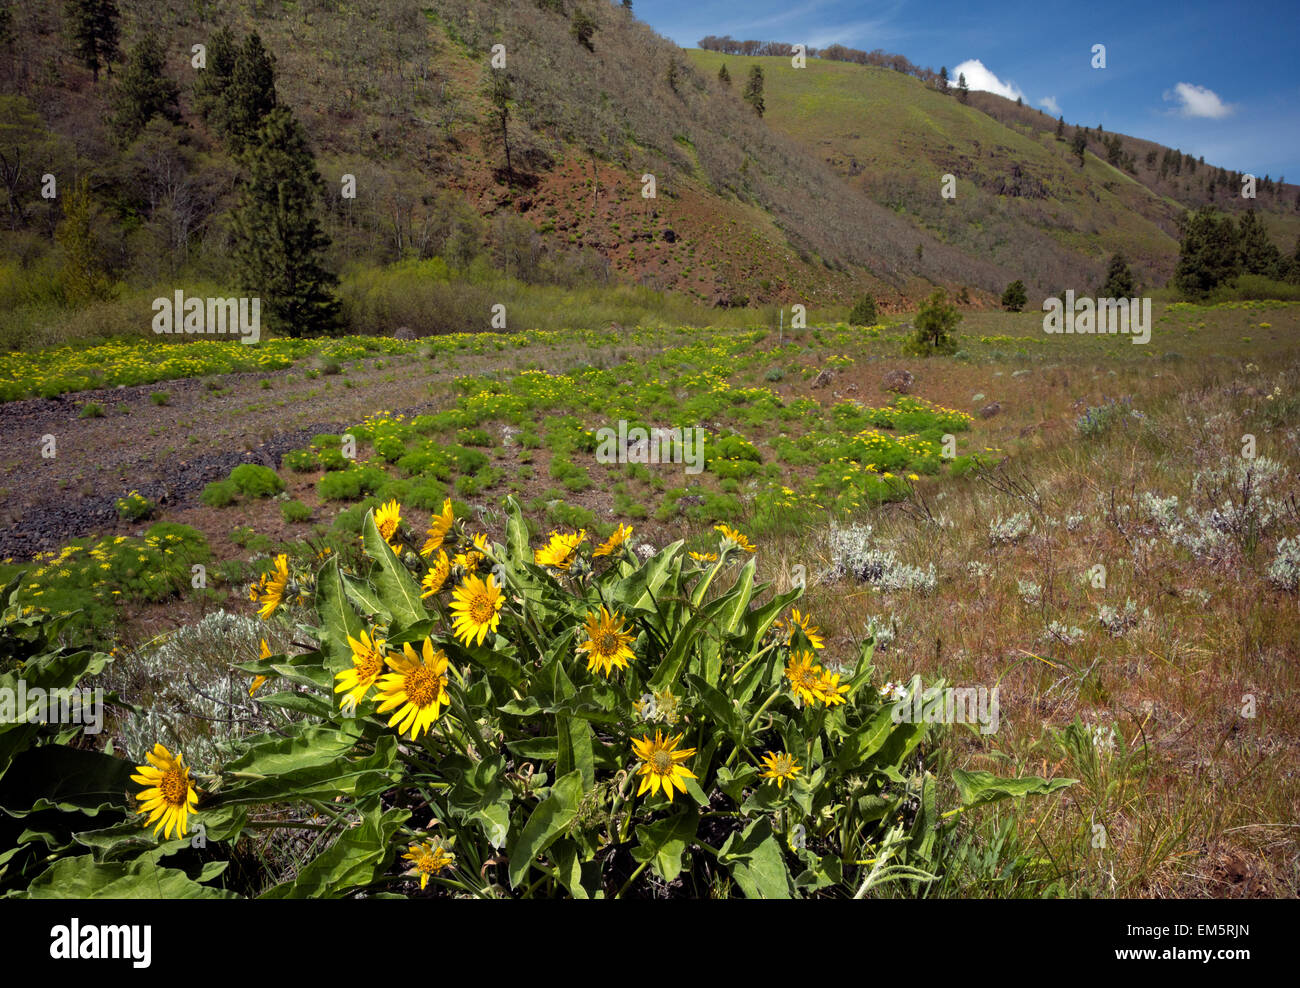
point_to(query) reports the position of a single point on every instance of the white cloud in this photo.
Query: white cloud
(1049, 104)
(1197, 101)
(978, 77)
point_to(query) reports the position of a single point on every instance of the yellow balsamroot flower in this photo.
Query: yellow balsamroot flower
(559, 552)
(388, 517)
(439, 528)
(735, 538)
(476, 609)
(659, 764)
(804, 622)
(704, 557)
(437, 575)
(429, 858)
(367, 663)
(621, 535)
(805, 677)
(779, 768)
(259, 680)
(270, 589)
(170, 796)
(469, 560)
(607, 642)
(418, 689)
(831, 690)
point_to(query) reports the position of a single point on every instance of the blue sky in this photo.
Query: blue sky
(1214, 79)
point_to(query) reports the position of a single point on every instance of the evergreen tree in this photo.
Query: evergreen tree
(1114, 149)
(754, 89)
(935, 322)
(1079, 145)
(627, 5)
(963, 90)
(1119, 279)
(1060, 128)
(1207, 253)
(1293, 266)
(1014, 298)
(583, 27)
(144, 92)
(279, 243)
(724, 76)
(1255, 252)
(499, 93)
(250, 97)
(213, 83)
(92, 28)
(943, 79)
(864, 312)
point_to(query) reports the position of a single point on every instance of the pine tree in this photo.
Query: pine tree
(1060, 128)
(498, 91)
(1014, 298)
(144, 92)
(754, 89)
(1293, 266)
(250, 97)
(92, 28)
(279, 242)
(724, 76)
(1114, 149)
(213, 83)
(963, 90)
(1119, 279)
(1079, 145)
(1207, 253)
(1255, 251)
(943, 79)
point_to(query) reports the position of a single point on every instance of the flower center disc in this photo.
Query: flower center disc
(174, 787)
(422, 687)
(480, 609)
(662, 761)
(606, 643)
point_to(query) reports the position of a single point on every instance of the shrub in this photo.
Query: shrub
(219, 494)
(295, 511)
(1014, 298)
(91, 410)
(134, 507)
(255, 480)
(300, 460)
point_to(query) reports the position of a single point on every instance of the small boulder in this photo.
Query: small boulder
(898, 381)
(823, 378)
(988, 411)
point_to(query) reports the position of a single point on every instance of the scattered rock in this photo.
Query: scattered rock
(988, 411)
(899, 381)
(823, 378)
(404, 333)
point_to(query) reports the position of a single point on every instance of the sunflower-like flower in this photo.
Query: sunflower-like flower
(439, 528)
(614, 542)
(559, 552)
(388, 518)
(659, 764)
(417, 688)
(258, 680)
(607, 642)
(730, 537)
(429, 858)
(437, 575)
(805, 677)
(367, 663)
(476, 609)
(831, 690)
(270, 589)
(169, 796)
(704, 557)
(780, 767)
(468, 561)
(810, 630)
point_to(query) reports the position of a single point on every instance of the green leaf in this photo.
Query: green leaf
(672, 664)
(397, 589)
(84, 878)
(366, 598)
(359, 856)
(311, 762)
(58, 777)
(977, 788)
(662, 842)
(756, 862)
(546, 823)
(572, 733)
(338, 619)
(729, 620)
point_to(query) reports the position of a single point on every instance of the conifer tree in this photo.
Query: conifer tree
(724, 76)
(1119, 279)
(93, 30)
(279, 243)
(1255, 251)
(943, 79)
(754, 89)
(1207, 253)
(1060, 128)
(963, 90)
(250, 97)
(144, 91)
